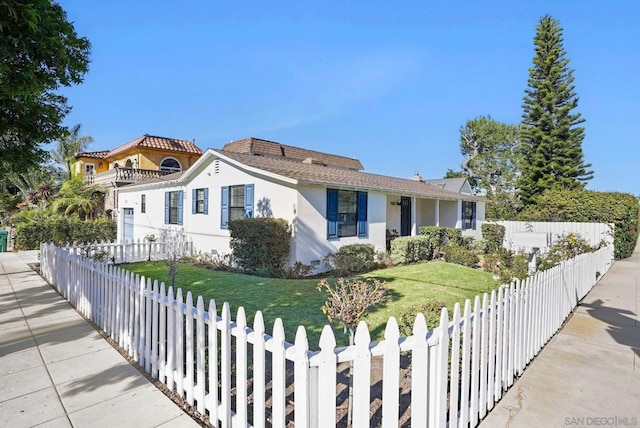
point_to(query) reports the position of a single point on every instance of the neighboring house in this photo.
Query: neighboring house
(139, 160)
(326, 198)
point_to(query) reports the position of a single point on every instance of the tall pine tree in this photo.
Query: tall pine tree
(552, 155)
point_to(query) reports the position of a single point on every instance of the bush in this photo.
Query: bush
(517, 266)
(565, 248)
(213, 260)
(491, 263)
(431, 311)
(62, 230)
(435, 234)
(260, 245)
(298, 270)
(453, 236)
(621, 209)
(412, 249)
(352, 259)
(493, 234)
(459, 255)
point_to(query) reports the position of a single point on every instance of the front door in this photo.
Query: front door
(405, 216)
(127, 223)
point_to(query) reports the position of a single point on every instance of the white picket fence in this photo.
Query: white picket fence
(126, 252)
(593, 233)
(241, 376)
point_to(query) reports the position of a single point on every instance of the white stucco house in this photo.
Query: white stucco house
(328, 200)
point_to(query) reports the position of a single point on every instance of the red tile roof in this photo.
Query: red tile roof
(161, 143)
(95, 155)
(256, 146)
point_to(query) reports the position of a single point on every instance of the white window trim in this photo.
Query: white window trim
(170, 169)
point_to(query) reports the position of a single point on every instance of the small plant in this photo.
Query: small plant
(351, 259)
(564, 248)
(347, 302)
(460, 255)
(175, 245)
(298, 270)
(430, 309)
(150, 239)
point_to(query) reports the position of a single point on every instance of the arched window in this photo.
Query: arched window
(128, 164)
(170, 164)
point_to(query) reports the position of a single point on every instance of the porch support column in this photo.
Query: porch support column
(414, 214)
(437, 214)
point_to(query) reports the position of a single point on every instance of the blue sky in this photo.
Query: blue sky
(390, 83)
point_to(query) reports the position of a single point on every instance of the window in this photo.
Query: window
(89, 169)
(143, 204)
(346, 213)
(200, 201)
(468, 215)
(237, 202)
(171, 165)
(173, 207)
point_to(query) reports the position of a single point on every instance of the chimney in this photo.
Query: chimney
(416, 177)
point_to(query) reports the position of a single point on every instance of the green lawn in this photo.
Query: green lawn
(298, 302)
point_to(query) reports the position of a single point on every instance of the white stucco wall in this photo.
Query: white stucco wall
(310, 226)
(450, 214)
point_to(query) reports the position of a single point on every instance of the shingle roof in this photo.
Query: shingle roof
(95, 155)
(161, 143)
(342, 177)
(453, 184)
(256, 146)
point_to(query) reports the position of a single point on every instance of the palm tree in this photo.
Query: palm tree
(69, 145)
(75, 198)
(35, 185)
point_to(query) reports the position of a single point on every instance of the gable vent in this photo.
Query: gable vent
(216, 166)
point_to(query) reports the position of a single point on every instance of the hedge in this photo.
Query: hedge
(62, 230)
(493, 234)
(260, 245)
(621, 209)
(412, 249)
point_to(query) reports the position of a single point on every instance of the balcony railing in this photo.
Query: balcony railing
(119, 176)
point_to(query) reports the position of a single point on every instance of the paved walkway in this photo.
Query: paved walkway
(589, 373)
(57, 371)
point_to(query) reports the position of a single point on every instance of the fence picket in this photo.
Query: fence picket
(419, 374)
(259, 369)
(391, 375)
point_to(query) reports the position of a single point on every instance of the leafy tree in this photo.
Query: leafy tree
(68, 145)
(39, 52)
(491, 159)
(490, 155)
(551, 138)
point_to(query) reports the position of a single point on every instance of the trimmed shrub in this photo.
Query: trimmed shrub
(62, 230)
(491, 262)
(621, 209)
(412, 249)
(493, 234)
(435, 234)
(352, 259)
(260, 245)
(459, 255)
(431, 311)
(453, 236)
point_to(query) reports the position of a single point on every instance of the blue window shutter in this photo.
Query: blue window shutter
(248, 201)
(464, 206)
(206, 200)
(224, 208)
(362, 214)
(332, 213)
(193, 201)
(473, 215)
(167, 197)
(180, 200)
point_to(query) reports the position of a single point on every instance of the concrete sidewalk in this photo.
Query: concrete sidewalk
(57, 371)
(589, 373)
